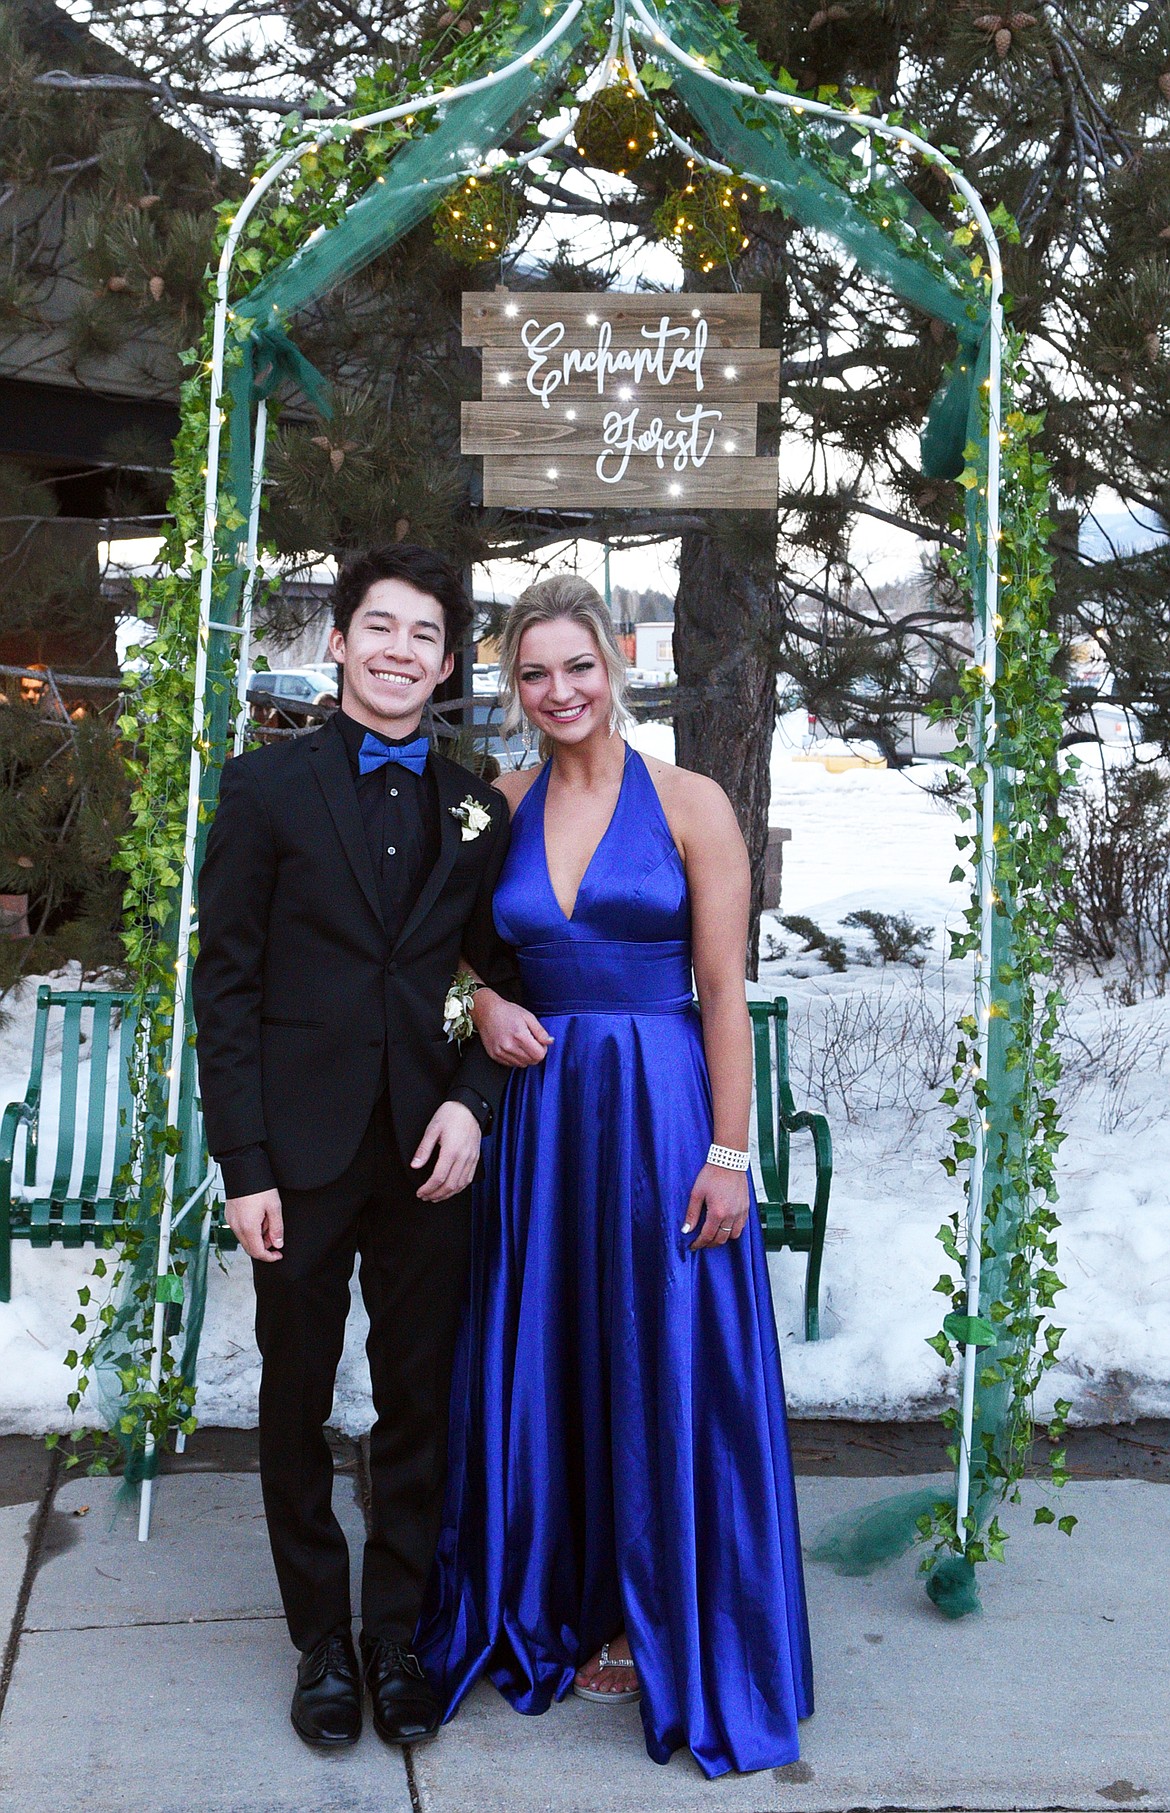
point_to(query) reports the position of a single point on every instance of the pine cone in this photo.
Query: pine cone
(118, 284)
(1003, 42)
(147, 201)
(402, 528)
(156, 286)
(1153, 345)
(825, 16)
(1164, 84)
(336, 453)
(1021, 21)
(989, 22)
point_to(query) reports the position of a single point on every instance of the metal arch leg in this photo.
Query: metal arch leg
(145, 1505)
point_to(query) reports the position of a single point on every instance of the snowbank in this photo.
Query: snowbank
(869, 1042)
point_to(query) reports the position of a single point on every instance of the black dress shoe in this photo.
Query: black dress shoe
(406, 1707)
(327, 1700)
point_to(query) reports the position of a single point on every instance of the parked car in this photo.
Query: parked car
(307, 685)
(510, 752)
(289, 698)
(1104, 721)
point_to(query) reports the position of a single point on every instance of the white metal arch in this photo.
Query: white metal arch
(637, 21)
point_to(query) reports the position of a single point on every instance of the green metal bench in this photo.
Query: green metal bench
(85, 1200)
(798, 1226)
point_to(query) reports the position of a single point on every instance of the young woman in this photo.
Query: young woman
(620, 1516)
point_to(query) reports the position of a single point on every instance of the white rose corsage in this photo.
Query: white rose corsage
(457, 1021)
(473, 818)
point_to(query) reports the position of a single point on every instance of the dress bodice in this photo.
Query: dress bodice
(626, 948)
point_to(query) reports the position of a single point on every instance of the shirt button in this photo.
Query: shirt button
(390, 850)
(393, 793)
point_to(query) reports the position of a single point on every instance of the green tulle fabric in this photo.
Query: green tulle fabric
(860, 1541)
(952, 1586)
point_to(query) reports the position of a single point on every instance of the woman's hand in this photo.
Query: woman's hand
(510, 1034)
(721, 1198)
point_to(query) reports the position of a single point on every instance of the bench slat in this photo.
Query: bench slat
(36, 1074)
(124, 1135)
(95, 1113)
(67, 1105)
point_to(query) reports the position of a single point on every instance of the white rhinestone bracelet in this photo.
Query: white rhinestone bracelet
(728, 1158)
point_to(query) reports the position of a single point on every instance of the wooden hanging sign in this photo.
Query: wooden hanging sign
(620, 401)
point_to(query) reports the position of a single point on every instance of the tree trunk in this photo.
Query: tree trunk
(725, 626)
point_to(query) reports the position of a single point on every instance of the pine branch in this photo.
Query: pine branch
(207, 99)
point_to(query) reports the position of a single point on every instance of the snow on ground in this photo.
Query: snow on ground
(870, 1046)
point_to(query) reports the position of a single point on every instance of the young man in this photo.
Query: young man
(346, 873)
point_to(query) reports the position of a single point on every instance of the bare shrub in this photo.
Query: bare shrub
(1116, 881)
(885, 1047)
(1104, 1056)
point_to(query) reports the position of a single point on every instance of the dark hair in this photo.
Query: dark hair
(421, 568)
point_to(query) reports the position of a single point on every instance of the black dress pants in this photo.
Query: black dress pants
(414, 1259)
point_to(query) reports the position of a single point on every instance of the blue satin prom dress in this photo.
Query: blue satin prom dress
(618, 1451)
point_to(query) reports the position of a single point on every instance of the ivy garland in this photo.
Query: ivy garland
(1027, 694)
(329, 176)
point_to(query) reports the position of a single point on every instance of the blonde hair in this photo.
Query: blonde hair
(548, 601)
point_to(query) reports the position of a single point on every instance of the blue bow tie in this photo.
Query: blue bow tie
(374, 753)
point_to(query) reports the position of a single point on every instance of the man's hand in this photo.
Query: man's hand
(257, 1223)
(510, 1034)
(721, 1197)
(454, 1130)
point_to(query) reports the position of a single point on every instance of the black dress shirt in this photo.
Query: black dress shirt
(400, 812)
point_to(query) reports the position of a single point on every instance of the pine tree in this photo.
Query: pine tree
(1059, 112)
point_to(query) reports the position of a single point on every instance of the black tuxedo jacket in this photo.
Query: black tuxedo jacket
(302, 1004)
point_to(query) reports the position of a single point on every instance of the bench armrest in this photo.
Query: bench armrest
(818, 1126)
(16, 1115)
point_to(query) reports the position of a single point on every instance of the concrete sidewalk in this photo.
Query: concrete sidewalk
(156, 1677)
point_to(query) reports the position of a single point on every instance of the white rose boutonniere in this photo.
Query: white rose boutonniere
(457, 1021)
(473, 818)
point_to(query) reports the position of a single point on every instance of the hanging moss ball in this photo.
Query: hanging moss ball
(475, 223)
(703, 222)
(616, 128)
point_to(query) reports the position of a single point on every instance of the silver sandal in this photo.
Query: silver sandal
(605, 1660)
